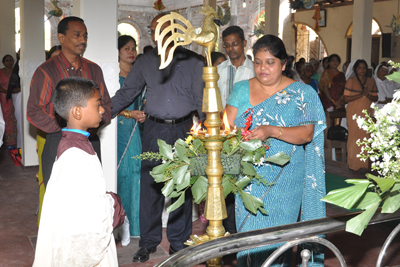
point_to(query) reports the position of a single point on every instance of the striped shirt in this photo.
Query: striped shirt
(40, 111)
(229, 75)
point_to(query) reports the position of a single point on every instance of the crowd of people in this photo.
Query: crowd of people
(69, 101)
(353, 89)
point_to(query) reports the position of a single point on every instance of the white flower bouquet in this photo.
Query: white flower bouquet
(382, 148)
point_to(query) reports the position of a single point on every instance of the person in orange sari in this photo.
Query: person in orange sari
(359, 93)
(331, 85)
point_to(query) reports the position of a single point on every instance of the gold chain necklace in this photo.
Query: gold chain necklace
(269, 95)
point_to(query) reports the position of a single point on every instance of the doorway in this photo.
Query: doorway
(375, 48)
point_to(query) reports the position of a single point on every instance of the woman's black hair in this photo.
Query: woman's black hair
(275, 46)
(323, 61)
(331, 57)
(356, 64)
(216, 55)
(4, 58)
(52, 50)
(123, 40)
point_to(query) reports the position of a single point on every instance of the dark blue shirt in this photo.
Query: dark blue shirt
(172, 92)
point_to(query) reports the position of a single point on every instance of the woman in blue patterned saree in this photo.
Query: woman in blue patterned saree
(287, 116)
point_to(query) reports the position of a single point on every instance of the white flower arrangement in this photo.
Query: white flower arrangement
(383, 147)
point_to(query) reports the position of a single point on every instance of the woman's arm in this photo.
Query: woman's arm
(373, 98)
(294, 135)
(138, 115)
(231, 113)
(324, 87)
(350, 98)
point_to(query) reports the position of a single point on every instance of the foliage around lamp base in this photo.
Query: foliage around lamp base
(183, 167)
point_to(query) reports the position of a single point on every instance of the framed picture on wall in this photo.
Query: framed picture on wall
(322, 22)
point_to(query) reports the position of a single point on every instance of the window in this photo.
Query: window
(375, 30)
(309, 44)
(47, 31)
(128, 29)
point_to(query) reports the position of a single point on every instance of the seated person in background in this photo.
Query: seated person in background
(306, 76)
(217, 58)
(391, 71)
(345, 66)
(76, 227)
(385, 87)
(315, 64)
(297, 70)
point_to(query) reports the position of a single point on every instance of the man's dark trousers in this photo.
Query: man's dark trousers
(179, 226)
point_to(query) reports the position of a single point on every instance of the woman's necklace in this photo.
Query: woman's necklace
(269, 95)
(124, 73)
(7, 71)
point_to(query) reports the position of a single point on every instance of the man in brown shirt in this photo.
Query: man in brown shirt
(72, 34)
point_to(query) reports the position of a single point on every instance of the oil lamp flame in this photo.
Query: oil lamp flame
(226, 123)
(196, 128)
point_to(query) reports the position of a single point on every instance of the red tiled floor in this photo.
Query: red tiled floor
(19, 200)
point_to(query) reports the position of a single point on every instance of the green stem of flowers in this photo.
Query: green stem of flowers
(177, 166)
(192, 151)
(233, 149)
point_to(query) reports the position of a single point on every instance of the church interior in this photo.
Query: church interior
(353, 29)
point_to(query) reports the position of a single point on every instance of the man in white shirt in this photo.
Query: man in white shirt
(238, 67)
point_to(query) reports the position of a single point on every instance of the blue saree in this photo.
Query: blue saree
(300, 184)
(128, 180)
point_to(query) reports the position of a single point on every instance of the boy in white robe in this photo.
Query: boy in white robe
(76, 227)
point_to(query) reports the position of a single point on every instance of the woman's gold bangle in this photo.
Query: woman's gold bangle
(127, 114)
(280, 131)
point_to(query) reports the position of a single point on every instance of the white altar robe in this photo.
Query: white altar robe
(77, 215)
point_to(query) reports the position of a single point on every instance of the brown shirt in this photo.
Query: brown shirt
(40, 111)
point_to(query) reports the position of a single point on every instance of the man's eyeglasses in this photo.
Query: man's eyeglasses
(234, 44)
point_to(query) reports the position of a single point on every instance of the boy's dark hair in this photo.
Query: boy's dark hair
(71, 92)
(216, 55)
(233, 29)
(63, 25)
